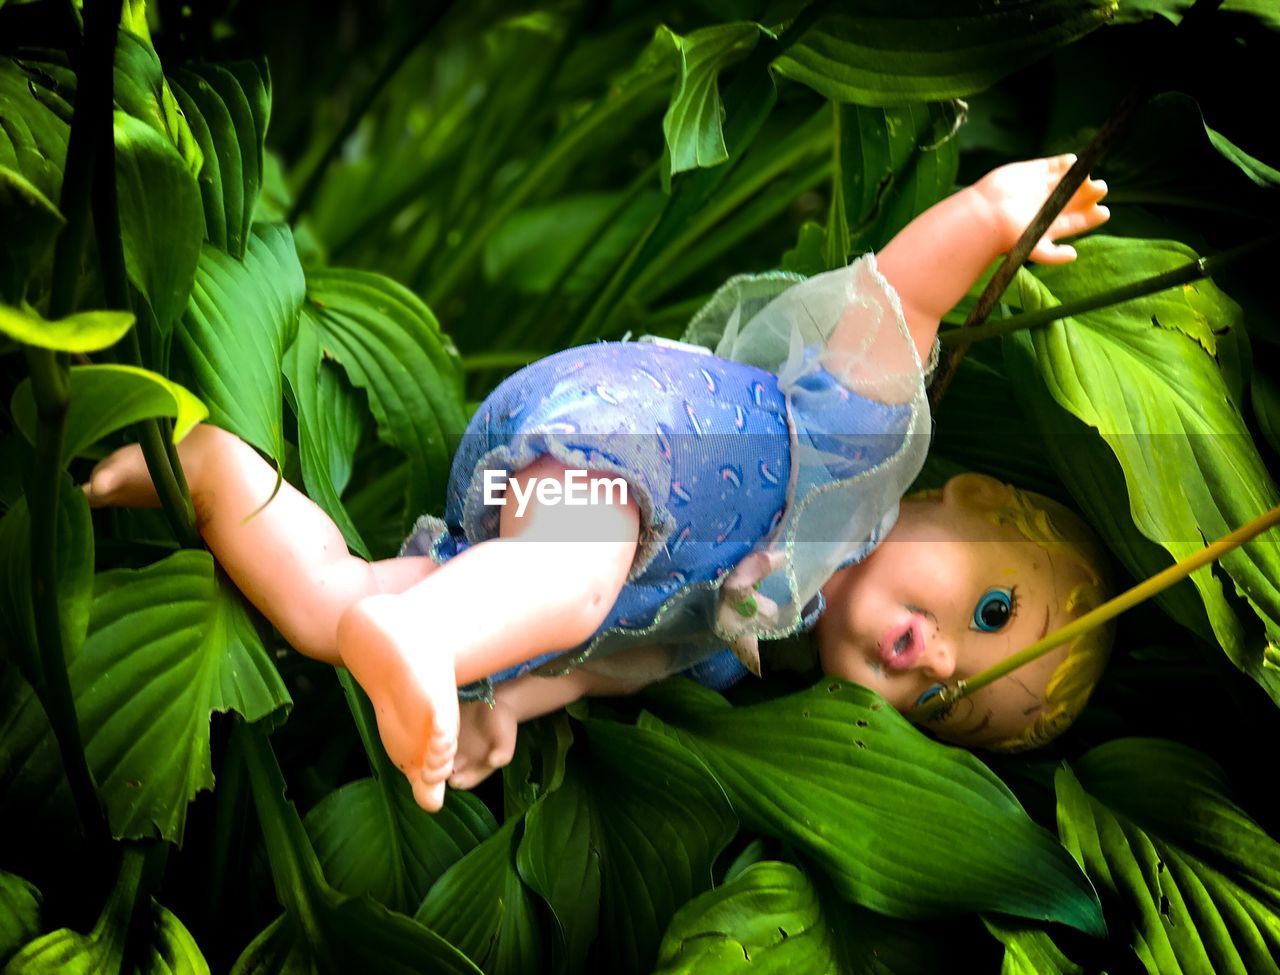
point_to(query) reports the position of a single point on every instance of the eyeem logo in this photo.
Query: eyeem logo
(578, 489)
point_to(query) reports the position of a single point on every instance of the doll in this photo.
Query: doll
(729, 497)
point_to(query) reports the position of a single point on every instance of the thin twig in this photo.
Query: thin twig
(1102, 614)
(1098, 146)
(1192, 271)
(408, 44)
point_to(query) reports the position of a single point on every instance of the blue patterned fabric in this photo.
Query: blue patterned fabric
(705, 447)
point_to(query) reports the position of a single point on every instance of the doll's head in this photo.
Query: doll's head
(969, 575)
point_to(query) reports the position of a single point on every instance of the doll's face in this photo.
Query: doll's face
(947, 594)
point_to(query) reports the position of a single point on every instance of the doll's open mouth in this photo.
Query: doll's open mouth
(902, 645)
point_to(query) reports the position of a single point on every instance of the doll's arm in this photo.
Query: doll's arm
(937, 257)
(286, 556)
(487, 732)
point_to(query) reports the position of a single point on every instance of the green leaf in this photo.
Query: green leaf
(241, 318)
(168, 645)
(86, 331)
(1141, 373)
(1030, 951)
(882, 52)
(482, 906)
(1196, 879)
(160, 221)
(536, 249)
(169, 949)
(692, 123)
(33, 140)
(19, 914)
(895, 163)
(330, 422)
(345, 934)
(108, 398)
(848, 781)
(73, 569)
(1133, 11)
(372, 838)
(629, 836)
(1171, 157)
(391, 346)
(31, 224)
(766, 920)
(228, 107)
(142, 92)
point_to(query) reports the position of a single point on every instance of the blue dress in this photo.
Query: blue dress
(709, 450)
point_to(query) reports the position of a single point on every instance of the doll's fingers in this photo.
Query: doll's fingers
(1047, 252)
(428, 795)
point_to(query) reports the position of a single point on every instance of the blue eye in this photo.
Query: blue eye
(993, 611)
(929, 694)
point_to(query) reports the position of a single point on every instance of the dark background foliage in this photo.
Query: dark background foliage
(314, 202)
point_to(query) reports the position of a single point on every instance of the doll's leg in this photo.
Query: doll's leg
(286, 556)
(543, 586)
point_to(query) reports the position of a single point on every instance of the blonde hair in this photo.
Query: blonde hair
(1063, 534)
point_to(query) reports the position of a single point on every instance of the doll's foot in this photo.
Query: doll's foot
(121, 481)
(486, 742)
(414, 692)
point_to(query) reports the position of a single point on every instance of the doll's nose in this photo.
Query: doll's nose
(939, 658)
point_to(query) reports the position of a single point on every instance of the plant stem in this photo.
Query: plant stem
(1098, 146)
(296, 875)
(408, 44)
(1193, 271)
(1102, 614)
(162, 462)
(51, 388)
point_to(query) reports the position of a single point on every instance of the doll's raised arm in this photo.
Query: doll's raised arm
(937, 257)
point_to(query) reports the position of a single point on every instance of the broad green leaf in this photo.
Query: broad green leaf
(168, 645)
(628, 837)
(570, 243)
(31, 223)
(160, 220)
(481, 905)
(33, 138)
(882, 52)
(86, 331)
(330, 421)
(879, 806)
(142, 92)
(372, 838)
(342, 933)
(228, 107)
(1170, 156)
(1133, 11)
(767, 920)
(108, 398)
(1141, 373)
(241, 318)
(1196, 880)
(169, 948)
(391, 346)
(1030, 951)
(1085, 464)
(73, 569)
(895, 163)
(692, 123)
(19, 914)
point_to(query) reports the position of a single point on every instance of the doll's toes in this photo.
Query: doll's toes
(428, 795)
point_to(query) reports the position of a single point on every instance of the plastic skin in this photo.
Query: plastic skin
(290, 560)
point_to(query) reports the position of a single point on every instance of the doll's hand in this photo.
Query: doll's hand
(1016, 192)
(486, 742)
(121, 481)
